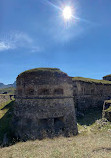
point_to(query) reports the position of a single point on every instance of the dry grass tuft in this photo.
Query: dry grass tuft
(81, 146)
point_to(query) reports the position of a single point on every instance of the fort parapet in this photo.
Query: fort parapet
(89, 93)
(107, 77)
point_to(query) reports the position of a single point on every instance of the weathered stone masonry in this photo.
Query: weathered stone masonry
(107, 77)
(4, 98)
(90, 94)
(46, 100)
(44, 104)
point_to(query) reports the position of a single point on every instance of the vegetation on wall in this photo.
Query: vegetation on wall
(108, 75)
(41, 70)
(89, 80)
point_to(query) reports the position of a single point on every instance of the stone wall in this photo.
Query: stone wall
(90, 94)
(46, 99)
(4, 98)
(108, 78)
(44, 104)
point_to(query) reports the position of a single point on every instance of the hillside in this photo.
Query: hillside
(10, 90)
(5, 118)
(2, 85)
(93, 140)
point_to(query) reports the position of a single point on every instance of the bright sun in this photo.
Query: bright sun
(67, 13)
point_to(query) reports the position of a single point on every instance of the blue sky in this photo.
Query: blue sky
(34, 34)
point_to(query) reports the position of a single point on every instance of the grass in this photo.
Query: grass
(107, 101)
(10, 90)
(89, 80)
(5, 119)
(108, 75)
(108, 110)
(81, 146)
(41, 70)
(93, 140)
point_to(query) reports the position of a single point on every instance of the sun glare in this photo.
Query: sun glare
(67, 13)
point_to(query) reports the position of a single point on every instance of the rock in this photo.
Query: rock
(107, 110)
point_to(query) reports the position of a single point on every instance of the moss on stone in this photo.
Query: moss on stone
(107, 75)
(41, 70)
(107, 101)
(108, 110)
(89, 80)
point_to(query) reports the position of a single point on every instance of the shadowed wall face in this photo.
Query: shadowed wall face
(108, 78)
(44, 104)
(90, 94)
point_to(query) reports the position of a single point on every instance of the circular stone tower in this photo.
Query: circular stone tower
(44, 104)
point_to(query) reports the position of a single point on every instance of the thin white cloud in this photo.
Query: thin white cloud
(16, 40)
(36, 49)
(22, 38)
(5, 46)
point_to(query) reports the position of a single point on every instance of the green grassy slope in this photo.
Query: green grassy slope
(10, 90)
(6, 110)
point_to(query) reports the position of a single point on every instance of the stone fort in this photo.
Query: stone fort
(46, 99)
(90, 93)
(44, 104)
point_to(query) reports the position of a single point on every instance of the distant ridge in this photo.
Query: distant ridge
(2, 85)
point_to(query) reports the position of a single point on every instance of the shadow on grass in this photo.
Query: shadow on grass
(8, 106)
(102, 148)
(5, 122)
(90, 116)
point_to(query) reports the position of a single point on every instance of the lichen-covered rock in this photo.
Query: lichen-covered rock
(107, 110)
(44, 104)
